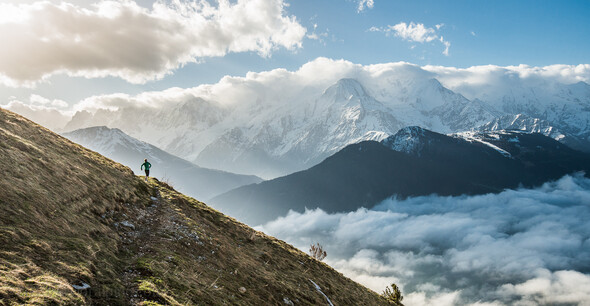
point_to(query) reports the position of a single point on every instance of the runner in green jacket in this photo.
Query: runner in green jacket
(147, 166)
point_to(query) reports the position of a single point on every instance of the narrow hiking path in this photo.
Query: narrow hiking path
(158, 238)
(146, 235)
(136, 237)
(177, 251)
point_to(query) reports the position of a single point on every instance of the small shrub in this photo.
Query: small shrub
(167, 181)
(316, 251)
(393, 295)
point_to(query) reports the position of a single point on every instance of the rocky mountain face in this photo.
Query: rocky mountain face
(271, 136)
(524, 123)
(79, 229)
(195, 181)
(413, 162)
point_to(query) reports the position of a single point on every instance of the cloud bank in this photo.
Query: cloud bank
(125, 40)
(522, 247)
(383, 81)
(490, 81)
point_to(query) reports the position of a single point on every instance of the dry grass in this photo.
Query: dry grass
(53, 194)
(199, 255)
(71, 216)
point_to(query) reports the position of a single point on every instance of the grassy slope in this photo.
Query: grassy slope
(70, 216)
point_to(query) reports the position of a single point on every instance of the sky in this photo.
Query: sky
(56, 53)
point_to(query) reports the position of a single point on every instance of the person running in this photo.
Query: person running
(147, 166)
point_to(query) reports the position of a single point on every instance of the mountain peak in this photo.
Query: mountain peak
(412, 130)
(105, 139)
(99, 129)
(345, 89)
(408, 139)
(523, 123)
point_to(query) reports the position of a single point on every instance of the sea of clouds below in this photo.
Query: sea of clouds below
(518, 247)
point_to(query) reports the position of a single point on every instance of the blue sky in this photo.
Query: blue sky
(535, 33)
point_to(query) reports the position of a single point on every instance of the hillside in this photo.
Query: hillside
(78, 228)
(413, 162)
(188, 178)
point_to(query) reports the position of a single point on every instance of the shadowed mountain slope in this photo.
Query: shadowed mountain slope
(78, 228)
(412, 162)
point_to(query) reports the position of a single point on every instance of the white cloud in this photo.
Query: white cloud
(314, 35)
(551, 288)
(447, 46)
(526, 246)
(491, 82)
(415, 32)
(277, 86)
(123, 39)
(365, 3)
(36, 99)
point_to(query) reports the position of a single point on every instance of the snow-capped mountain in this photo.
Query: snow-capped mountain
(551, 108)
(201, 183)
(294, 138)
(273, 139)
(524, 123)
(563, 106)
(272, 133)
(413, 162)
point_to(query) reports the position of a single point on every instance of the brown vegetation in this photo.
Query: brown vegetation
(393, 295)
(316, 251)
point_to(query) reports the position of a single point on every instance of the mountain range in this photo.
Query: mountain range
(79, 229)
(195, 181)
(413, 162)
(271, 134)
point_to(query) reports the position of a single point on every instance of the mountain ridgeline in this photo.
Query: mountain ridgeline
(413, 162)
(77, 228)
(200, 183)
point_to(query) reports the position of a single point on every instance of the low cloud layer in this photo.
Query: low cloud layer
(123, 39)
(522, 247)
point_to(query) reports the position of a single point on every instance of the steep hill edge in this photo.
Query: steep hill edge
(78, 228)
(188, 178)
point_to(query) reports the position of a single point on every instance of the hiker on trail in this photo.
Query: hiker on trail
(147, 166)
